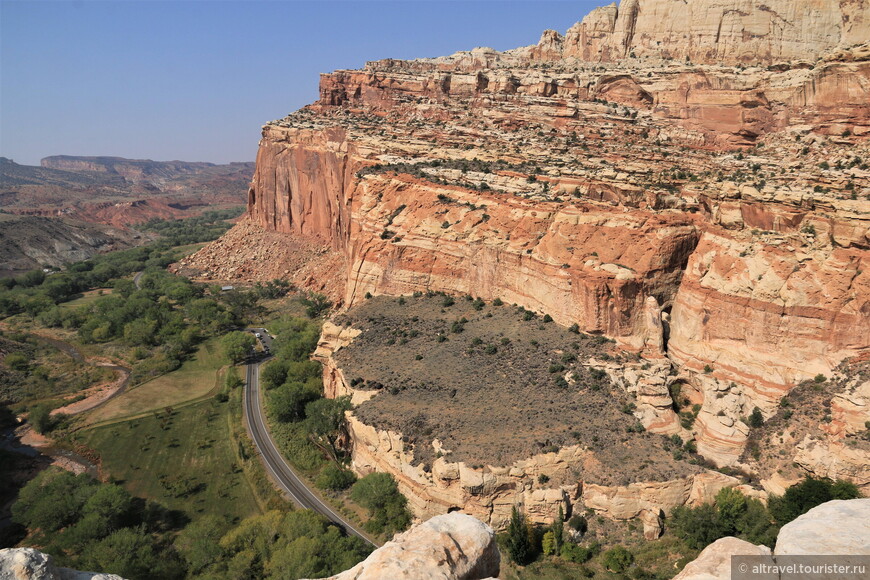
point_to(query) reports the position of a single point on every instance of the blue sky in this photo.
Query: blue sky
(195, 80)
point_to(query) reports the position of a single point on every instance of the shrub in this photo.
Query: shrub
(617, 559)
(335, 478)
(756, 419)
(17, 361)
(577, 554)
(803, 496)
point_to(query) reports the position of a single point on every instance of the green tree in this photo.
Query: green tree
(324, 420)
(730, 505)
(802, 497)
(315, 304)
(558, 529)
(519, 546)
(199, 543)
(698, 526)
(274, 374)
(52, 500)
(288, 404)
(130, 553)
(617, 559)
(140, 332)
(40, 418)
(548, 543)
(379, 493)
(756, 419)
(335, 478)
(237, 345)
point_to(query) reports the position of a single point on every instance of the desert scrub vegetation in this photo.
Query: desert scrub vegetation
(499, 390)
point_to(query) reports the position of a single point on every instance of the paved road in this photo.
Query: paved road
(272, 459)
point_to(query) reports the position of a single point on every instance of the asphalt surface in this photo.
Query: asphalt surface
(275, 464)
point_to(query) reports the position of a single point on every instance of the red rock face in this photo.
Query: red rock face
(582, 190)
(298, 183)
(586, 265)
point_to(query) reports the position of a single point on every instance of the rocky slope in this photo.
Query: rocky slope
(28, 242)
(691, 180)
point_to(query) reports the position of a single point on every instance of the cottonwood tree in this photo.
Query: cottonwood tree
(237, 345)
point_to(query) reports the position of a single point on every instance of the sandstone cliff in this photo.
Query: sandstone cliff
(690, 179)
(717, 31)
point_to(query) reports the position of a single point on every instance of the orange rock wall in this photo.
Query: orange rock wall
(768, 316)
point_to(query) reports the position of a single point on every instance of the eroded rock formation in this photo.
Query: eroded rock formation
(688, 179)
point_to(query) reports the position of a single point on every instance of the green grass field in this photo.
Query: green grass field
(88, 297)
(186, 460)
(182, 251)
(195, 379)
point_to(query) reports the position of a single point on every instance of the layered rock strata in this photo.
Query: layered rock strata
(646, 177)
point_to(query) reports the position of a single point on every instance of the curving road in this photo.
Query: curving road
(274, 462)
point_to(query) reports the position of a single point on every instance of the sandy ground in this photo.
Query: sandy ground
(96, 395)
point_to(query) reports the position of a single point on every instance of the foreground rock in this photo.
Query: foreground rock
(449, 547)
(715, 560)
(835, 528)
(839, 527)
(30, 564)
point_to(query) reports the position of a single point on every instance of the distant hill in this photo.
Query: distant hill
(28, 242)
(69, 208)
(120, 191)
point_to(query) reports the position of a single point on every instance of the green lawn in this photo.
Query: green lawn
(88, 297)
(186, 460)
(196, 378)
